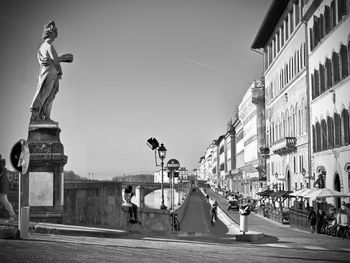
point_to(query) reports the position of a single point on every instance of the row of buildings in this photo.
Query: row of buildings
(291, 129)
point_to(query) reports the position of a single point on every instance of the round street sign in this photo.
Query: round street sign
(19, 156)
(173, 164)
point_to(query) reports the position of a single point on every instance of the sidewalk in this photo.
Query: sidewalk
(257, 222)
(8, 231)
(230, 221)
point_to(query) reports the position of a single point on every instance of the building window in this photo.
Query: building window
(297, 14)
(321, 27)
(295, 123)
(291, 22)
(333, 15)
(311, 36)
(294, 164)
(341, 9)
(345, 127)
(299, 122)
(316, 31)
(337, 130)
(312, 86)
(318, 137)
(324, 135)
(335, 63)
(322, 79)
(306, 123)
(329, 78)
(330, 133)
(317, 83)
(344, 62)
(221, 149)
(313, 139)
(327, 20)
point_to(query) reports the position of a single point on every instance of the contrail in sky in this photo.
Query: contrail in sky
(210, 67)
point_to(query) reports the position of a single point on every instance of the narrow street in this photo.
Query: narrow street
(197, 218)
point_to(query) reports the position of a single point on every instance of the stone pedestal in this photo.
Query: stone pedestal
(43, 184)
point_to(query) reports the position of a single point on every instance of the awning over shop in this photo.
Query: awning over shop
(297, 193)
(280, 194)
(265, 193)
(308, 192)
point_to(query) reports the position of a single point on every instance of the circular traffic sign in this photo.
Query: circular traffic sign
(173, 164)
(19, 156)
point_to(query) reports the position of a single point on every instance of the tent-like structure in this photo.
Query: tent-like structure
(324, 192)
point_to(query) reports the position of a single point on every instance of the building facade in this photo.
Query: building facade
(230, 155)
(282, 38)
(328, 29)
(248, 116)
(239, 141)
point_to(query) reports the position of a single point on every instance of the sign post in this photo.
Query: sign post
(172, 165)
(19, 158)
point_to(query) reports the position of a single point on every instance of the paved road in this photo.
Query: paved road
(197, 218)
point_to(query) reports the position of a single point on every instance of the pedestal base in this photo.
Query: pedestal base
(43, 184)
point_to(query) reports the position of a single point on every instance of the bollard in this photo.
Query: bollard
(24, 222)
(244, 211)
(243, 223)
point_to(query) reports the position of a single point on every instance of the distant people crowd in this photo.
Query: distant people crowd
(325, 219)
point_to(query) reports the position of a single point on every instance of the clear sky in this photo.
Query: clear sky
(169, 69)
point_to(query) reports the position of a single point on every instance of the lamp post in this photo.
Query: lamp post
(162, 153)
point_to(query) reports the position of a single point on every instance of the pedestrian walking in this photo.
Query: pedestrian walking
(312, 219)
(320, 219)
(213, 213)
(4, 189)
(343, 215)
(207, 198)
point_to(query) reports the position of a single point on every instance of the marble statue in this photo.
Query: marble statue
(49, 75)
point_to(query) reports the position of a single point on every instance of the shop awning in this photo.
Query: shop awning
(280, 194)
(265, 193)
(308, 192)
(299, 192)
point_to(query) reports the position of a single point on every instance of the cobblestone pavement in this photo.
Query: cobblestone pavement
(59, 248)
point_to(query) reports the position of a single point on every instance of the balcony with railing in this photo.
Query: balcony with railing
(284, 146)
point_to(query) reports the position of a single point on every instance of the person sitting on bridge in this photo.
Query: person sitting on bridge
(127, 195)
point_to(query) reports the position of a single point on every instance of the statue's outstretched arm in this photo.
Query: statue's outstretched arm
(68, 58)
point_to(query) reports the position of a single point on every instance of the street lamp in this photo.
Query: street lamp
(161, 154)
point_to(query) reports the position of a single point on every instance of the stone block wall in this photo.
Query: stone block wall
(99, 204)
(93, 203)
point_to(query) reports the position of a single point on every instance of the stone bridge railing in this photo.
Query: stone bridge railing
(99, 204)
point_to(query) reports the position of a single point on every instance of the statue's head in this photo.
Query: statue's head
(49, 28)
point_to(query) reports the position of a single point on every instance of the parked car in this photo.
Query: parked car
(233, 204)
